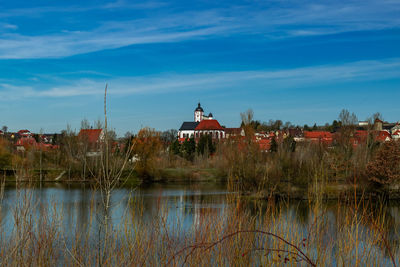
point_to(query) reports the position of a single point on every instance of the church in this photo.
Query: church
(202, 125)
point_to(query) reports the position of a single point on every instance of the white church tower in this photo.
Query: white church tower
(198, 114)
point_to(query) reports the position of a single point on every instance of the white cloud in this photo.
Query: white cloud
(110, 35)
(283, 20)
(38, 11)
(170, 83)
(8, 26)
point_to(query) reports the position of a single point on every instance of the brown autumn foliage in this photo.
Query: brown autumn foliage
(146, 147)
(385, 167)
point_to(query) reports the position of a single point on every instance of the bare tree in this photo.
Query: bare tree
(348, 127)
(98, 124)
(371, 120)
(109, 177)
(247, 117)
(169, 136)
(377, 115)
(85, 124)
(347, 119)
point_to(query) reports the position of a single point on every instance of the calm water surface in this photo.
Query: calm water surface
(78, 207)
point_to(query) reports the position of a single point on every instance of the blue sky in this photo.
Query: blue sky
(298, 61)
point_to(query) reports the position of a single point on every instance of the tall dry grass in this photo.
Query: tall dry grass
(351, 233)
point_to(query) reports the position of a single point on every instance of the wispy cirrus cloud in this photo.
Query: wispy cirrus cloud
(268, 20)
(17, 46)
(8, 26)
(38, 11)
(171, 83)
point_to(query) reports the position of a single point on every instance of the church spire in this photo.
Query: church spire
(198, 113)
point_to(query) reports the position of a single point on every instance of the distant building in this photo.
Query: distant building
(202, 124)
(187, 129)
(24, 133)
(378, 125)
(199, 114)
(93, 138)
(205, 125)
(383, 136)
(209, 127)
(25, 142)
(318, 137)
(396, 135)
(395, 128)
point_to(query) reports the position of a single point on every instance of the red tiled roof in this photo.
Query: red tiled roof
(265, 144)
(382, 135)
(24, 132)
(209, 125)
(92, 135)
(318, 135)
(26, 141)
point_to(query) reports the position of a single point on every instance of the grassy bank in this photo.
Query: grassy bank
(288, 169)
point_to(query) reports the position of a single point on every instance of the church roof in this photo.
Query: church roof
(209, 125)
(199, 108)
(188, 125)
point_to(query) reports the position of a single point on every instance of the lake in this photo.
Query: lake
(179, 210)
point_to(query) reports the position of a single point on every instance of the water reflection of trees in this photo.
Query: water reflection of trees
(183, 208)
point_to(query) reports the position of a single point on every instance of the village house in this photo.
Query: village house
(319, 137)
(396, 135)
(24, 140)
(395, 128)
(24, 133)
(93, 138)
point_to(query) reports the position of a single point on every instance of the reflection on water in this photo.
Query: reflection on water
(81, 206)
(180, 207)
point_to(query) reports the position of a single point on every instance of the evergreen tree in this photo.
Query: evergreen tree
(205, 144)
(211, 145)
(202, 144)
(188, 148)
(274, 145)
(175, 147)
(335, 125)
(314, 128)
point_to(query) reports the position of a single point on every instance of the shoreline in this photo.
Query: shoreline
(283, 190)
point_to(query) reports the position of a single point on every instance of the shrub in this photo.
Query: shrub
(147, 146)
(385, 167)
(5, 156)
